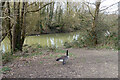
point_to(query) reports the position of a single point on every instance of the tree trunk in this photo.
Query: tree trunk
(19, 28)
(14, 33)
(95, 22)
(60, 14)
(0, 22)
(23, 23)
(9, 24)
(50, 14)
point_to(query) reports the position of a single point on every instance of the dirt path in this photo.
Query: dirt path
(83, 64)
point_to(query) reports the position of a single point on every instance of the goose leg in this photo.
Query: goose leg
(63, 62)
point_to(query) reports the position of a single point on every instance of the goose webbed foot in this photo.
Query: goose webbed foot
(63, 62)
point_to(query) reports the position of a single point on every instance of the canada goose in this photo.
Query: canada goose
(63, 58)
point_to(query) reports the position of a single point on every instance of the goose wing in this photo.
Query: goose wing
(61, 58)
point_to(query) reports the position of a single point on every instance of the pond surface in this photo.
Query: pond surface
(56, 40)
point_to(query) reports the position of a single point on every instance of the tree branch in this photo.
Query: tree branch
(10, 17)
(108, 6)
(31, 4)
(89, 10)
(4, 35)
(39, 8)
(90, 3)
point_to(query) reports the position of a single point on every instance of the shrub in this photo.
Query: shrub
(5, 69)
(67, 45)
(39, 46)
(52, 48)
(7, 57)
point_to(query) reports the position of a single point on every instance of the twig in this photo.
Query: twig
(39, 8)
(31, 4)
(108, 6)
(89, 10)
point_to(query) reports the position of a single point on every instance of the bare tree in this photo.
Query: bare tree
(95, 22)
(19, 28)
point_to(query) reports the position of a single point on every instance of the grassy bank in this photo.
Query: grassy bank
(37, 50)
(32, 51)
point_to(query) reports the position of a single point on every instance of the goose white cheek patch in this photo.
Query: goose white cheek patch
(61, 60)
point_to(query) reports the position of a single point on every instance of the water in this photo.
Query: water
(56, 40)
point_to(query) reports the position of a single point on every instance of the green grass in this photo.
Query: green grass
(41, 62)
(7, 57)
(26, 55)
(63, 51)
(59, 55)
(71, 54)
(30, 55)
(5, 69)
(52, 48)
(103, 47)
(26, 50)
(35, 54)
(51, 55)
(56, 64)
(60, 51)
(39, 46)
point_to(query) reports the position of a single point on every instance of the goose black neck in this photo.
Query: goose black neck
(67, 52)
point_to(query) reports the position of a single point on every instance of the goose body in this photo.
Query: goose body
(63, 58)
